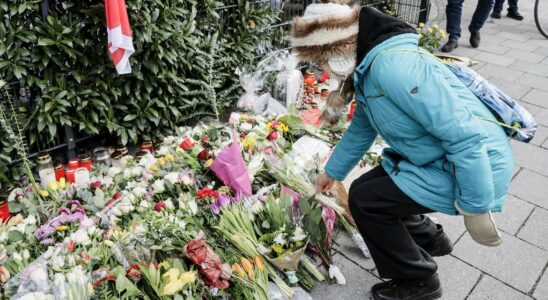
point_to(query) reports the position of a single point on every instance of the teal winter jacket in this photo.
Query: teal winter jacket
(439, 151)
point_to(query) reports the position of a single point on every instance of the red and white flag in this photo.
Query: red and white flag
(120, 42)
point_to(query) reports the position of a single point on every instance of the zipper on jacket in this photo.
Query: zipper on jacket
(455, 178)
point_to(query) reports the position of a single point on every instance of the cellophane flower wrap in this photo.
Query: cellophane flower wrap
(229, 166)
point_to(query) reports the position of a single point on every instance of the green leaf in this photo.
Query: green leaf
(45, 42)
(15, 236)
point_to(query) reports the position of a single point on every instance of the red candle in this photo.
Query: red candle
(4, 210)
(85, 161)
(59, 171)
(147, 146)
(70, 175)
(73, 164)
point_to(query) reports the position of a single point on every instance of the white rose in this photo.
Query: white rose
(279, 239)
(17, 257)
(169, 205)
(144, 206)
(131, 198)
(81, 237)
(30, 220)
(298, 235)
(234, 118)
(113, 171)
(139, 191)
(186, 180)
(117, 211)
(172, 177)
(127, 174)
(158, 186)
(26, 254)
(193, 207)
(246, 127)
(137, 171)
(94, 231)
(126, 160)
(163, 151)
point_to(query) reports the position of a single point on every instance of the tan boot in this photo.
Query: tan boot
(481, 227)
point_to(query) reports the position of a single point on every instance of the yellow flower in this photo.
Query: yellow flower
(61, 228)
(238, 270)
(90, 288)
(169, 157)
(108, 243)
(171, 275)
(249, 142)
(268, 126)
(252, 24)
(435, 26)
(165, 264)
(188, 277)
(420, 35)
(44, 193)
(284, 127)
(208, 163)
(248, 267)
(429, 30)
(173, 287)
(442, 34)
(259, 263)
(52, 185)
(153, 168)
(161, 161)
(421, 25)
(62, 183)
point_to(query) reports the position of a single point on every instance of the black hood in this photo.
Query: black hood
(375, 28)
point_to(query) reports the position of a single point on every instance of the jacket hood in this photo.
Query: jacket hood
(375, 28)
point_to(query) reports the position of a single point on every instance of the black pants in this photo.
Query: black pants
(392, 226)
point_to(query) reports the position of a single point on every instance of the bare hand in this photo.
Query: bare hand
(324, 183)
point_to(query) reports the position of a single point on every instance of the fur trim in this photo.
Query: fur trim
(337, 100)
(303, 27)
(325, 36)
(321, 54)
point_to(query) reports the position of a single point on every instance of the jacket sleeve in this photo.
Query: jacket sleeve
(357, 139)
(418, 87)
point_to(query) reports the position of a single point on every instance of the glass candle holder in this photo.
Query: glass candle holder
(122, 149)
(102, 157)
(147, 146)
(59, 171)
(85, 161)
(45, 170)
(116, 159)
(73, 164)
(4, 209)
(140, 154)
(69, 174)
(81, 176)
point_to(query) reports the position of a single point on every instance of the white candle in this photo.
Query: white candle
(46, 176)
(81, 176)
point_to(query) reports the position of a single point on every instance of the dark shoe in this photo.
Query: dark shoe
(440, 245)
(496, 14)
(475, 39)
(426, 289)
(514, 14)
(450, 46)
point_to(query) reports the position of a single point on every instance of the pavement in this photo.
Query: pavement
(514, 56)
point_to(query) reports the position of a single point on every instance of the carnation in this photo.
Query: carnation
(172, 177)
(158, 186)
(139, 191)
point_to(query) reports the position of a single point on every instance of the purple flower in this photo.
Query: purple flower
(47, 229)
(64, 210)
(47, 242)
(223, 200)
(74, 202)
(215, 209)
(80, 210)
(238, 197)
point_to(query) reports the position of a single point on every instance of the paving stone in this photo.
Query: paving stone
(467, 52)
(506, 262)
(358, 283)
(531, 187)
(513, 89)
(457, 278)
(533, 109)
(519, 45)
(346, 245)
(524, 56)
(490, 288)
(531, 157)
(537, 82)
(537, 97)
(493, 39)
(535, 230)
(452, 225)
(494, 48)
(495, 59)
(513, 215)
(542, 117)
(539, 69)
(512, 36)
(540, 136)
(500, 72)
(542, 51)
(541, 292)
(545, 144)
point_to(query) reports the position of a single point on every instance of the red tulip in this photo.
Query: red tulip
(186, 145)
(159, 206)
(96, 185)
(272, 136)
(204, 155)
(70, 246)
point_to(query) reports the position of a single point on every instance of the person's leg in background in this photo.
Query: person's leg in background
(379, 209)
(483, 9)
(513, 10)
(453, 11)
(497, 9)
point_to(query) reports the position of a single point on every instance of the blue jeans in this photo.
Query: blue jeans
(454, 14)
(500, 3)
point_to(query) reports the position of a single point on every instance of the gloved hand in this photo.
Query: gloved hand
(481, 227)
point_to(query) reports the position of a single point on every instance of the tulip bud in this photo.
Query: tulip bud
(248, 267)
(4, 274)
(259, 263)
(238, 270)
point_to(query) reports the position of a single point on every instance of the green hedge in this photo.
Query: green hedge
(183, 67)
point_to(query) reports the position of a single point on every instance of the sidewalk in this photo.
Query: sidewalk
(514, 56)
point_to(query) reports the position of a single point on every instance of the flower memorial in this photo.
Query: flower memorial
(215, 212)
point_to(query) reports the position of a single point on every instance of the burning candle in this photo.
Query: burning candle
(147, 146)
(85, 161)
(73, 164)
(70, 175)
(4, 210)
(45, 169)
(59, 171)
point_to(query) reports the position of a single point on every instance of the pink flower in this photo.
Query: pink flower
(96, 185)
(272, 136)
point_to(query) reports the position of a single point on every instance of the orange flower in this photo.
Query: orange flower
(238, 270)
(248, 267)
(259, 263)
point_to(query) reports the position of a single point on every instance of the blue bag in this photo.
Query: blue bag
(516, 121)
